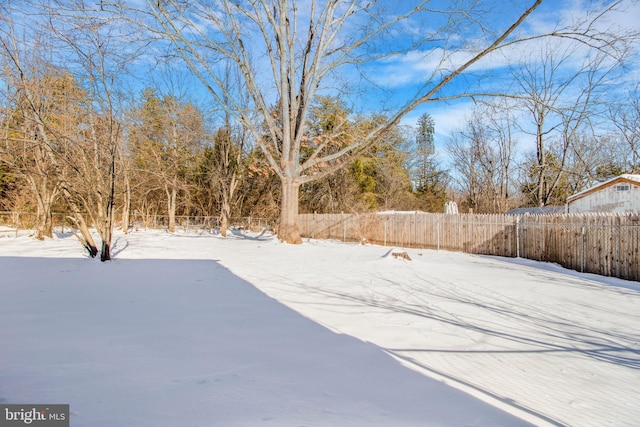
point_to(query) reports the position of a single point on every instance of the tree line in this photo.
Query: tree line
(99, 121)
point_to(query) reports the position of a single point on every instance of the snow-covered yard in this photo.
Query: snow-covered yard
(197, 330)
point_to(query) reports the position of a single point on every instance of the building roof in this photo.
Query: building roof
(544, 210)
(627, 177)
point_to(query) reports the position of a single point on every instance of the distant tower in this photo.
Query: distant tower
(426, 147)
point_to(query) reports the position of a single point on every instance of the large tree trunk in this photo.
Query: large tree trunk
(44, 218)
(224, 225)
(224, 216)
(227, 197)
(44, 197)
(288, 229)
(105, 252)
(44, 221)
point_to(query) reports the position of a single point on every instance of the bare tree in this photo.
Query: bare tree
(68, 94)
(23, 152)
(304, 49)
(97, 51)
(163, 143)
(625, 116)
(562, 89)
(483, 152)
(48, 103)
(221, 169)
(502, 125)
(23, 148)
(228, 152)
(230, 143)
(473, 159)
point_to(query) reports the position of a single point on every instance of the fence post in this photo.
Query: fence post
(438, 236)
(344, 227)
(583, 244)
(385, 232)
(517, 237)
(416, 231)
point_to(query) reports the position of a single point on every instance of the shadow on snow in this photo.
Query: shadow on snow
(186, 342)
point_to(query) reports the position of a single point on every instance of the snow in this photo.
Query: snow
(199, 330)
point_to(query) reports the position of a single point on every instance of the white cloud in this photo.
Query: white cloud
(421, 66)
(447, 118)
(409, 68)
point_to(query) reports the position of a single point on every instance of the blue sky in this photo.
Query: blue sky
(400, 76)
(401, 73)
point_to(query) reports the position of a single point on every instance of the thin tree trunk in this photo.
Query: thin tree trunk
(172, 195)
(225, 211)
(105, 253)
(85, 236)
(227, 197)
(44, 197)
(87, 239)
(224, 219)
(542, 166)
(126, 209)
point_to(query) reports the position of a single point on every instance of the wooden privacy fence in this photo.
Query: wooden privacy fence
(605, 244)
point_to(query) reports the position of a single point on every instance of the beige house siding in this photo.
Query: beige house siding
(619, 195)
